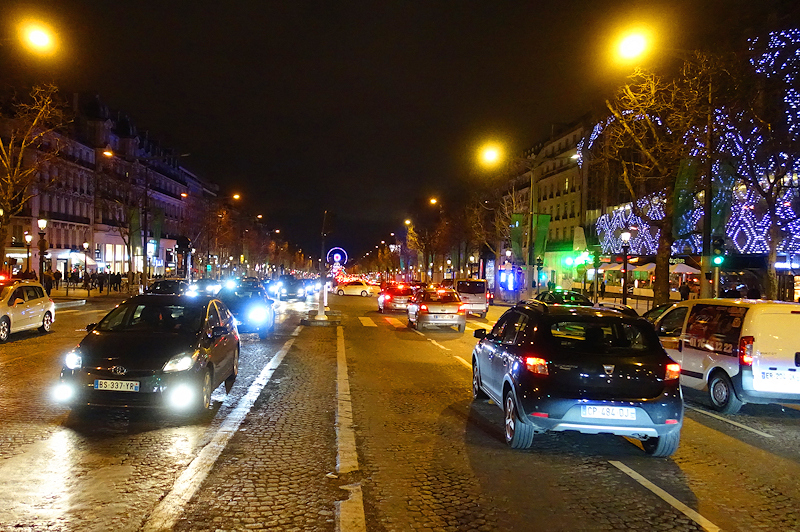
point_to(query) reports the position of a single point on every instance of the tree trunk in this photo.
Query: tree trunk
(661, 284)
(3, 240)
(771, 288)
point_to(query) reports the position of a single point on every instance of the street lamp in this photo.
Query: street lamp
(28, 239)
(42, 243)
(86, 266)
(625, 236)
(539, 266)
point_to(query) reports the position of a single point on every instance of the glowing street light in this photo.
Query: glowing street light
(37, 37)
(490, 155)
(236, 196)
(434, 201)
(632, 45)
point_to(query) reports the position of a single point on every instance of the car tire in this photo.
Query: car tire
(204, 402)
(232, 377)
(722, 395)
(477, 391)
(411, 324)
(663, 446)
(340, 292)
(5, 329)
(462, 328)
(47, 323)
(263, 333)
(518, 434)
(481, 315)
(364, 293)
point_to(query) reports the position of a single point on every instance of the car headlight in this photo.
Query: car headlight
(258, 314)
(73, 360)
(191, 292)
(181, 362)
(230, 284)
(300, 292)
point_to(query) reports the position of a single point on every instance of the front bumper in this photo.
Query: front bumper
(154, 389)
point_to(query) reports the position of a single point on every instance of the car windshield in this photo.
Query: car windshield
(471, 287)
(573, 298)
(165, 287)
(441, 297)
(233, 297)
(153, 318)
(600, 337)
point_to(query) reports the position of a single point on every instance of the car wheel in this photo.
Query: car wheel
(47, 323)
(340, 292)
(664, 445)
(263, 333)
(519, 435)
(411, 324)
(477, 392)
(232, 377)
(205, 391)
(723, 397)
(364, 293)
(481, 315)
(462, 327)
(5, 329)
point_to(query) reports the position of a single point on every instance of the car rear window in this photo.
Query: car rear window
(471, 287)
(441, 297)
(601, 336)
(400, 291)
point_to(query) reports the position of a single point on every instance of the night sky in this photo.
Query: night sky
(359, 108)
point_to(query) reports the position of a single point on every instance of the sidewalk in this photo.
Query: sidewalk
(79, 296)
(640, 304)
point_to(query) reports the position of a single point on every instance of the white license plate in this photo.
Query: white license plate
(608, 412)
(780, 376)
(116, 386)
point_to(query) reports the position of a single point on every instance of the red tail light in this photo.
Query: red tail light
(540, 414)
(462, 309)
(537, 365)
(673, 372)
(746, 351)
(423, 308)
(387, 297)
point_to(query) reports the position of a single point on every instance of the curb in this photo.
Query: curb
(68, 304)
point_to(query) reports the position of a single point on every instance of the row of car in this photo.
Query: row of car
(558, 363)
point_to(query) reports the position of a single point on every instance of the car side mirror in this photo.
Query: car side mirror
(17, 301)
(90, 327)
(219, 331)
(480, 334)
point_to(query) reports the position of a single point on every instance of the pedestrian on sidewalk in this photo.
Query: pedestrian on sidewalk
(603, 288)
(684, 291)
(47, 281)
(57, 279)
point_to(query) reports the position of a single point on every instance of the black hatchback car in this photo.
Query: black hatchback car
(564, 368)
(164, 351)
(564, 297)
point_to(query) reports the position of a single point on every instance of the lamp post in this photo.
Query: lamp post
(625, 236)
(28, 239)
(539, 266)
(42, 243)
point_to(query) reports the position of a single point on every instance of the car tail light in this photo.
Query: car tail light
(537, 365)
(746, 351)
(462, 309)
(673, 372)
(387, 297)
(423, 308)
(540, 414)
(671, 422)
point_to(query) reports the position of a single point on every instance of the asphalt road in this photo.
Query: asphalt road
(366, 426)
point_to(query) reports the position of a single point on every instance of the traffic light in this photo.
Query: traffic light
(717, 251)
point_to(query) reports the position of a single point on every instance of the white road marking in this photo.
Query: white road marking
(397, 324)
(419, 333)
(734, 423)
(349, 513)
(675, 503)
(437, 344)
(169, 510)
(463, 362)
(367, 322)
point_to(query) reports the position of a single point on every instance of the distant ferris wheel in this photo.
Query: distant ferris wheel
(336, 256)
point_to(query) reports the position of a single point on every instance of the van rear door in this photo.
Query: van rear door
(776, 349)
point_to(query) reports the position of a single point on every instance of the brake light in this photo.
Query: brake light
(540, 414)
(387, 297)
(671, 422)
(537, 365)
(746, 351)
(673, 372)
(423, 308)
(462, 309)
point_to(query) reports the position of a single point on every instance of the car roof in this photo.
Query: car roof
(561, 311)
(170, 299)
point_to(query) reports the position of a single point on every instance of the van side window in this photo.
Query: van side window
(671, 323)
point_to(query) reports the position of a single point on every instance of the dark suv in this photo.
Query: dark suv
(559, 368)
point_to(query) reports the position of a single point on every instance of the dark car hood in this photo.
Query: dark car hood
(134, 349)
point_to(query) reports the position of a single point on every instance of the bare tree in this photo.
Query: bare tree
(28, 143)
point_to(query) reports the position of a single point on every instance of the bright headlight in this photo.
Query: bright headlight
(191, 293)
(300, 292)
(181, 362)
(230, 284)
(73, 360)
(258, 314)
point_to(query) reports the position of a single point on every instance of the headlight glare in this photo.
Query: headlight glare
(258, 314)
(73, 360)
(181, 362)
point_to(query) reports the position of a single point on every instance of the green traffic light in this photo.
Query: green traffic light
(718, 260)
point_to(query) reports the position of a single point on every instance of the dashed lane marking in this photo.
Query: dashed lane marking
(467, 364)
(734, 423)
(669, 499)
(397, 324)
(367, 322)
(169, 510)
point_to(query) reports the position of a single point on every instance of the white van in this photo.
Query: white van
(738, 350)
(474, 294)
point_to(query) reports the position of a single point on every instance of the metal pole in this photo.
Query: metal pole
(706, 290)
(624, 275)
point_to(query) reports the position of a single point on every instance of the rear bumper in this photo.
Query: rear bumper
(743, 386)
(424, 320)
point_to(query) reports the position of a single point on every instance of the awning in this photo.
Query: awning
(612, 267)
(649, 267)
(682, 268)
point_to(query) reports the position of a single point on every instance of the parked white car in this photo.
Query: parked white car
(356, 288)
(24, 305)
